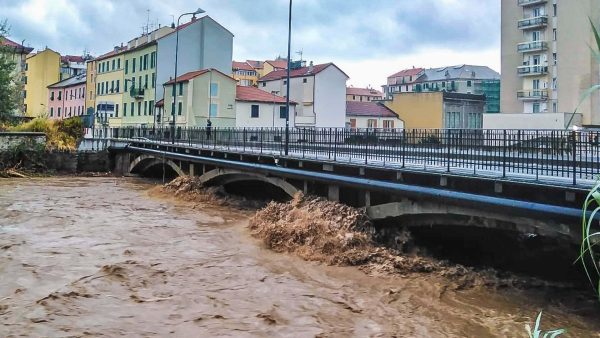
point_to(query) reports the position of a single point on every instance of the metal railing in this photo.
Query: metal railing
(530, 2)
(532, 70)
(533, 94)
(533, 22)
(559, 156)
(532, 46)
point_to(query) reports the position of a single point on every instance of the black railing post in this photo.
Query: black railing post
(335, 145)
(573, 135)
(244, 141)
(261, 140)
(504, 146)
(367, 146)
(447, 132)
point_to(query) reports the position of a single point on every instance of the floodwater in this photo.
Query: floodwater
(99, 257)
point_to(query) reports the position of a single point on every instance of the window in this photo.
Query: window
(180, 108)
(145, 61)
(112, 86)
(536, 84)
(153, 80)
(214, 108)
(116, 110)
(141, 62)
(554, 83)
(60, 95)
(284, 82)
(254, 111)
(554, 34)
(133, 65)
(124, 109)
(51, 111)
(214, 89)
(282, 112)
(126, 66)
(146, 81)
(113, 64)
(469, 83)
(59, 112)
(180, 88)
(132, 109)
(554, 107)
(98, 89)
(555, 57)
(145, 108)
(536, 36)
(388, 124)
(352, 123)
(372, 123)
(118, 63)
(52, 96)
(118, 85)
(139, 108)
(536, 107)
(153, 60)
(554, 9)
(151, 108)
(264, 84)
(305, 80)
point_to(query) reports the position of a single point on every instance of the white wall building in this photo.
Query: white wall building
(372, 115)
(258, 109)
(319, 90)
(203, 44)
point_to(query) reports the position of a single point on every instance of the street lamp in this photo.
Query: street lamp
(173, 107)
(287, 97)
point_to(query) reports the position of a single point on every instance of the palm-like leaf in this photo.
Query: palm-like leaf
(536, 332)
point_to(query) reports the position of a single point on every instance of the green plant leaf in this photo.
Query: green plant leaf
(596, 35)
(596, 196)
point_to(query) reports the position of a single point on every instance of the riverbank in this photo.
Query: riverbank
(107, 256)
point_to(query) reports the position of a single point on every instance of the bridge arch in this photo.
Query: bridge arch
(228, 176)
(144, 162)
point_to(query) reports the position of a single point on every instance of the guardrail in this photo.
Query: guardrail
(542, 155)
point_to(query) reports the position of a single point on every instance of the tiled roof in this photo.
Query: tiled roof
(9, 43)
(241, 66)
(160, 103)
(252, 94)
(370, 109)
(112, 53)
(461, 72)
(408, 72)
(363, 92)
(188, 76)
(72, 58)
(255, 64)
(300, 72)
(278, 64)
(70, 82)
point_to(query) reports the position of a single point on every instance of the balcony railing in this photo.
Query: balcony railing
(533, 94)
(531, 2)
(532, 46)
(536, 22)
(136, 92)
(532, 70)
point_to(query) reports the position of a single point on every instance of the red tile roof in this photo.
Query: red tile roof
(300, 72)
(363, 92)
(72, 58)
(278, 64)
(5, 42)
(368, 109)
(160, 103)
(408, 72)
(241, 66)
(252, 94)
(255, 64)
(188, 76)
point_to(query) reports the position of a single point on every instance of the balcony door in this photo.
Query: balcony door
(536, 36)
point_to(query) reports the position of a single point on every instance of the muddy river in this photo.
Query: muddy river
(100, 257)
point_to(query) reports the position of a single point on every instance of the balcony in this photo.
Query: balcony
(532, 46)
(533, 95)
(137, 93)
(532, 70)
(537, 22)
(525, 3)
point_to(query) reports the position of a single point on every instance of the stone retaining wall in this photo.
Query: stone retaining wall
(11, 139)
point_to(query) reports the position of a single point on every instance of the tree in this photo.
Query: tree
(9, 85)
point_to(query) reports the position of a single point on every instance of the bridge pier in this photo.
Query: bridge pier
(333, 193)
(122, 161)
(364, 198)
(192, 170)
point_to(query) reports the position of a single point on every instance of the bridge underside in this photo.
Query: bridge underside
(426, 201)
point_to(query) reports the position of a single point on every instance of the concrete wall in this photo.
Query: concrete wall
(529, 121)
(203, 44)
(10, 139)
(418, 110)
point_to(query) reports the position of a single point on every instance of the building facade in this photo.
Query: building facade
(546, 61)
(372, 115)
(17, 53)
(363, 94)
(319, 90)
(438, 110)
(41, 70)
(67, 98)
(110, 87)
(244, 74)
(72, 65)
(139, 85)
(256, 108)
(466, 79)
(201, 95)
(90, 97)
(203, 44)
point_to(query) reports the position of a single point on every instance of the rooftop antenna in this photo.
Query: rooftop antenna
(172, 21)
(147, 21)
(301, 52)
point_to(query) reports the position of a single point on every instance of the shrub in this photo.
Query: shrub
(60, 135)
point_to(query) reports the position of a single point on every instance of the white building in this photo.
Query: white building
(258, 109)
(203, 44)
(373, 115)
(319, 90)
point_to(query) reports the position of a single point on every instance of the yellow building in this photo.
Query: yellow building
(41, 70)
(139, 85)
(201, 95)
(363, 94)
(437, 110)
(110, 87)
(273, 65)
(90, 98)
(244, 74)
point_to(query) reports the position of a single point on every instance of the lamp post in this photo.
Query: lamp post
(287, 97)
(174, 106)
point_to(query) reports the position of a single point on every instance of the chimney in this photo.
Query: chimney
(311, 67)
(116, 49)
(173, 25)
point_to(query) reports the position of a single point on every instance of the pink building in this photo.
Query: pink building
(67, 98)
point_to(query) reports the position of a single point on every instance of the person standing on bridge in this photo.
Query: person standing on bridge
(208, 129)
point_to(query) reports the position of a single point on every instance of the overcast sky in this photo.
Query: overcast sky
(368, 39)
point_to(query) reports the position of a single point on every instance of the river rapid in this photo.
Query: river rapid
(101, 257)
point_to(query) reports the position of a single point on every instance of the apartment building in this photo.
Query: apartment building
(363, 94)
(67, 98)
(546, 62)
(41, 70)
(244, 74)
(256, 108)
(319, 90)
(109, 86)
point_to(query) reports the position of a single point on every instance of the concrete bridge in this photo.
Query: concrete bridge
(526, 201)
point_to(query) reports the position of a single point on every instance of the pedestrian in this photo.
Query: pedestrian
(208, 129)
